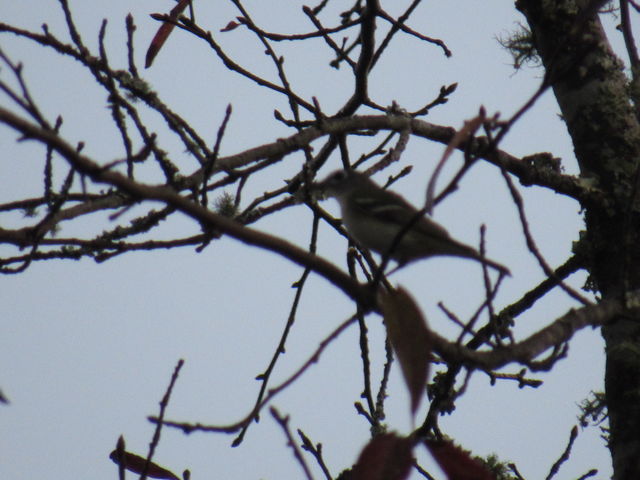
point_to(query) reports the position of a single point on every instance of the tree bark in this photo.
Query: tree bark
(592, 91)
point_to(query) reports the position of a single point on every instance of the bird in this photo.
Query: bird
(374, 217)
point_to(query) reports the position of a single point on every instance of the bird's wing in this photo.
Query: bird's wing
(392, 208)
(387, 206)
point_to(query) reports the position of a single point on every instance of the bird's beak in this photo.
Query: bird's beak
(314, 190)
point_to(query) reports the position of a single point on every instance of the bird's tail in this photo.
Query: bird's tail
(469, 252)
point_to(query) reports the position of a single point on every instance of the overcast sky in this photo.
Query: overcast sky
(87, 350)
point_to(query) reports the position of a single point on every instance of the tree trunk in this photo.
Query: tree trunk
(591, 89)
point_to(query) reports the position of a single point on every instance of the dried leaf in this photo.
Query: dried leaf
(409, 336)
(386, 457)
(456, 462)
(135, 463)
(163, 32)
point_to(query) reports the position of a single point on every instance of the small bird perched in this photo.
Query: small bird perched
(374, 217)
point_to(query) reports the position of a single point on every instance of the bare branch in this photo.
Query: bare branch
(557, 333)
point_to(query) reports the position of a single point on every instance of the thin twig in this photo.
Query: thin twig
(280, 349)
(565, 455)
(531, 244)
(316, 451)
(272, 393)
(297, 454)
(164, 403)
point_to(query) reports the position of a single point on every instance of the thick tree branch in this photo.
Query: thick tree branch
(526, 172)
(526, 351)
(208, 219)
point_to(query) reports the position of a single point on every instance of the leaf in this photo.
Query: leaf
(409, 336)
(385, 457)
(163, 32)
(135, 463)
(456, 462)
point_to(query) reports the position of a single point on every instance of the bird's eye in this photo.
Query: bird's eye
(338, 176)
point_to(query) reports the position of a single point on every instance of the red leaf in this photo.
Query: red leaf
(163, 32)
(409, 336)
(386, 457)
(134, 463)
(456, 462)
